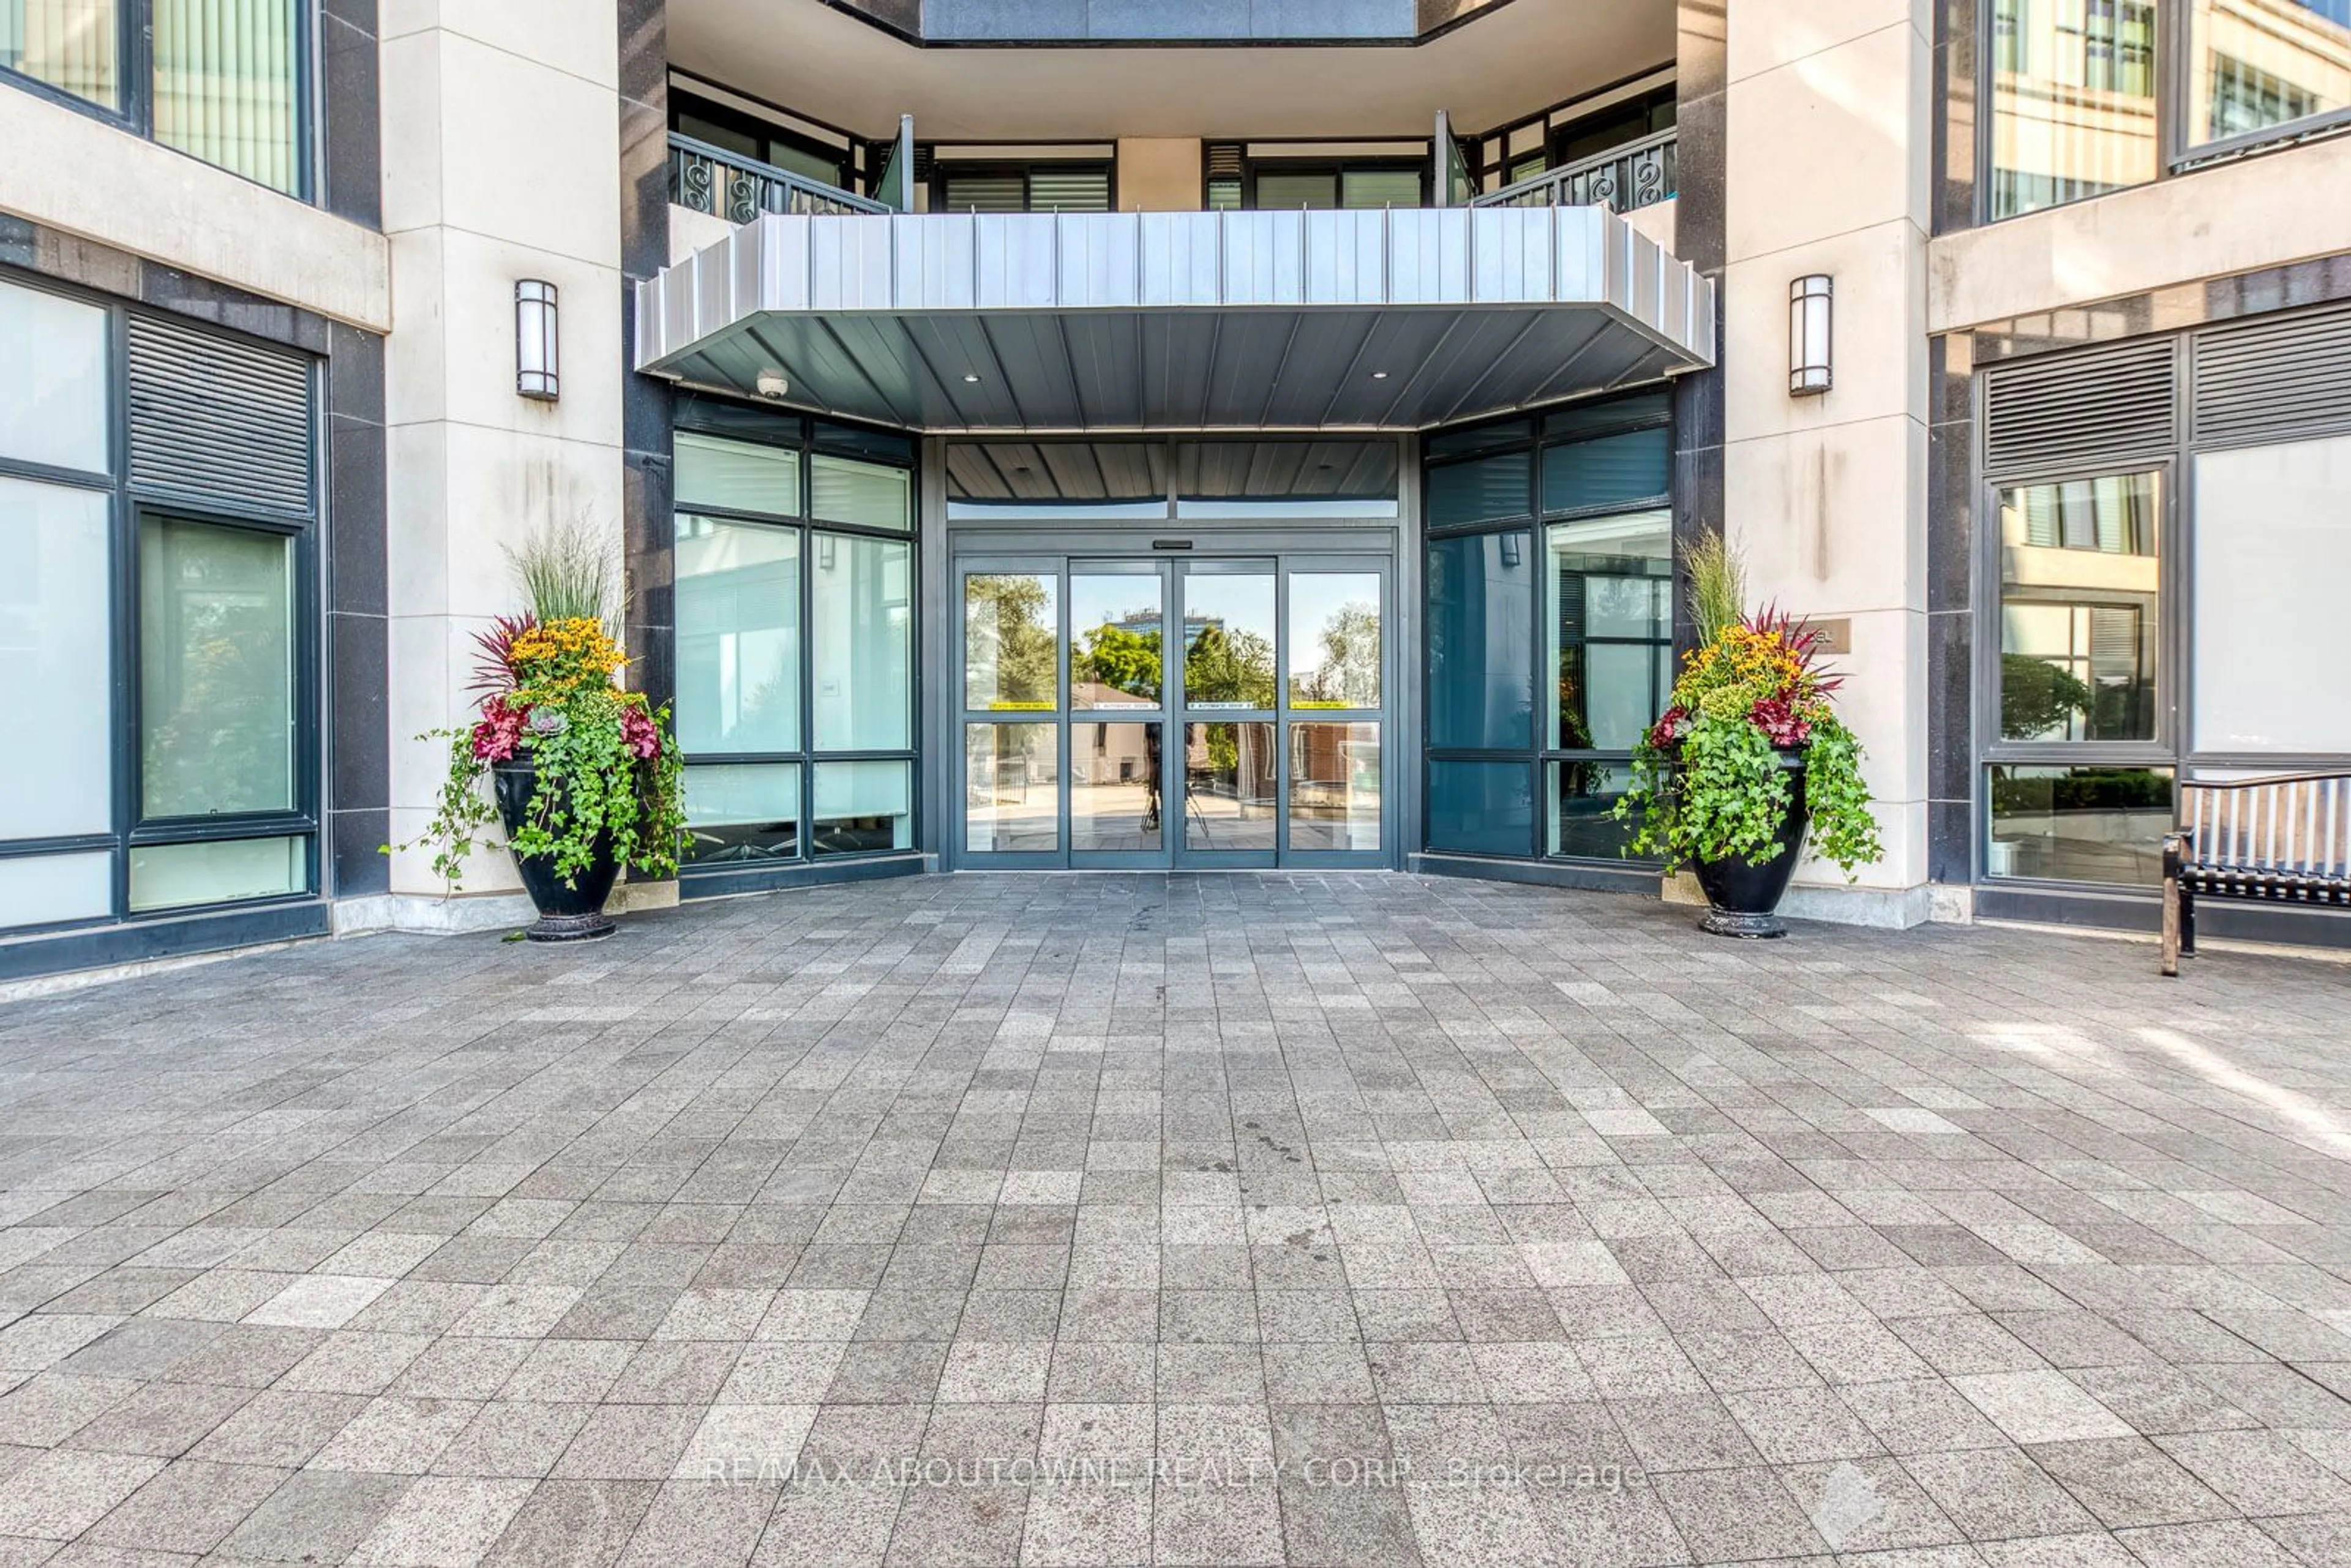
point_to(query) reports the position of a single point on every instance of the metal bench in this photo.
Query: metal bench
(2281, 840)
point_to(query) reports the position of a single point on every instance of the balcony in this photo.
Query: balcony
(1637, 174)
(727, 186)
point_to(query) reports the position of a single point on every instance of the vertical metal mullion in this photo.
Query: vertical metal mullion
(807, 743)
(122, 547)
(1064, 711)
(1281, 656)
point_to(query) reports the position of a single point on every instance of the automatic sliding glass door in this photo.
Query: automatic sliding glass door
(1232, 756)
(1153, 713)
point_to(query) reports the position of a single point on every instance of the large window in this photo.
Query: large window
(2261, 66)
(2166, 618)
(2083, 102)
(2274, 562)
(159, 657)
(795, 637)
(1549, 575)
(224, 80)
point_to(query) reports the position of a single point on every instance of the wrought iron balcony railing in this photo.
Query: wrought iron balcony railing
(729, 185)
(1637, 174)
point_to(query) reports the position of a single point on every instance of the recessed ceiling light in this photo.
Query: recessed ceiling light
(970, 376)
(1379, 375)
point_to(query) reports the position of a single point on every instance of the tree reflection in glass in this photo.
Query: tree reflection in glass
(1011, 642)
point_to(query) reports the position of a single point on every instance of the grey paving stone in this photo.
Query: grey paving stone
(1619, 1244)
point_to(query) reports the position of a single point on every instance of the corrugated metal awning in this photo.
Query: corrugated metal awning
(1033, 322)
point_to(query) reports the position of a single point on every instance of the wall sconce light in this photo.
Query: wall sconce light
(825, 558)
(1809, 367)
(537, 359)
(1511, 557)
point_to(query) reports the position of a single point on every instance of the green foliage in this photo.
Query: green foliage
(1717, 585)
(1724, 791)
(1349, 674)
(1230, 666)
(2038, 698)
(1009, 623)
(461, 810)
(590, 785)
(1122, 660)
(1843, 832)
(567, 574)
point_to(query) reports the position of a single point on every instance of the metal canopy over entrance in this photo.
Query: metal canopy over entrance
(1270, 320)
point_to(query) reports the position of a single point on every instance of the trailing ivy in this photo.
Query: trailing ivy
(1713, 781)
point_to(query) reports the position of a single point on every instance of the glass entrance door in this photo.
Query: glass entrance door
(1149, 713)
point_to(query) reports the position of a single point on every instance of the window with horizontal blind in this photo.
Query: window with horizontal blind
(1023, 188)
(155, 571)
(222, 81)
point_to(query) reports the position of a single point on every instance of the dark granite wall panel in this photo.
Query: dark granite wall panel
(358, 719)
(646, 455)
(350, 143)
(1955, 115)
(1699, 239)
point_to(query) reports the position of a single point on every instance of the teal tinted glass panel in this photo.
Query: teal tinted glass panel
(1612, 471)
(1478, 438)
(1480, 491)
(1612, 413)
(1481, 658)
(1482, 808)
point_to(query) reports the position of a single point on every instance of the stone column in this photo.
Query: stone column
(1828, 162)
(501, 161)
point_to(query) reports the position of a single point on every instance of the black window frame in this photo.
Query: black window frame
(1536, 443)
(1254, 169)
(135, 69)
(768, 132)
(128, 504)
(1025, 171)
(729, 419)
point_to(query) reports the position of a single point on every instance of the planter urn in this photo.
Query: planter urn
(567, 912)
(1743, 899)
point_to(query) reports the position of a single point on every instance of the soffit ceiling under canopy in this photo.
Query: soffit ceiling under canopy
(1172, 321)
(1510, 62)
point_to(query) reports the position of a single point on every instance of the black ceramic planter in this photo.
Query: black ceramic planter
(1742, 899)
(572, 912)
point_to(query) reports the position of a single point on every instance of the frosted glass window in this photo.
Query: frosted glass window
(738, 636)
(2269, 644)
(53, 397)
(860, 645)
(72, 45)
(216, 669)
(737, 475)
(232, 871)
(862, 807)
(743, 813)
(56, 670)
(44, 890)
(842, 490)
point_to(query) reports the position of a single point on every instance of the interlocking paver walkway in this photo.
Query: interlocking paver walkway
(1316, 1220)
